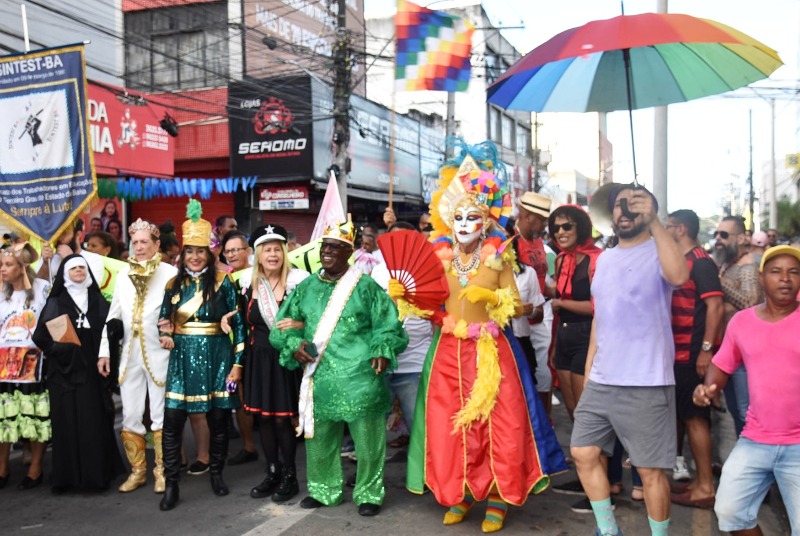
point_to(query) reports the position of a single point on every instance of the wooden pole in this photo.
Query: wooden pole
(391, 152)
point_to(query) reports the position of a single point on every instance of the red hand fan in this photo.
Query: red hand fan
(412, 261)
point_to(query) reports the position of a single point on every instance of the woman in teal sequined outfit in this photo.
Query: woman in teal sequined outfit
(203, 360)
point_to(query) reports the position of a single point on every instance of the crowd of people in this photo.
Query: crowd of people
(640, 337)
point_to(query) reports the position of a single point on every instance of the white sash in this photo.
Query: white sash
(333, 311)
(267, 304)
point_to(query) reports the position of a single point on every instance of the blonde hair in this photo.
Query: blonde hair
(258, 270)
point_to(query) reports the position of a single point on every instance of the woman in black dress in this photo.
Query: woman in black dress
(85, 452)
(271, 391)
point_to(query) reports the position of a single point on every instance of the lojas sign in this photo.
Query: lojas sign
(270, 128)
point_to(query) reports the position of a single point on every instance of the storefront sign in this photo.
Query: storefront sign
(46, 174)
(283, 198)
(126, 136)
(270, 127)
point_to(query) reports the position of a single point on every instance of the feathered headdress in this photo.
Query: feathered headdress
(473, 177)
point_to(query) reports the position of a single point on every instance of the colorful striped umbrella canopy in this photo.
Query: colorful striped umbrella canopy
(670, 58)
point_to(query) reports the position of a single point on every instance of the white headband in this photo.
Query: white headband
(75, 261)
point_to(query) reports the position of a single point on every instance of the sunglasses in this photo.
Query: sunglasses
(722, 234)
(566, 226)
(334, 247)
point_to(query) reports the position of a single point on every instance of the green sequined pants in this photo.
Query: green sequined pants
(324, 462)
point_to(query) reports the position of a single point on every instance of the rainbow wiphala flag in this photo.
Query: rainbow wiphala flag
(433, 49)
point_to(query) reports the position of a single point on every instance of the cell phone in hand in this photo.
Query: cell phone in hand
(311, 349)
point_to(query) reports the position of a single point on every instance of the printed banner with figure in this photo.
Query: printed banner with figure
(46, 168)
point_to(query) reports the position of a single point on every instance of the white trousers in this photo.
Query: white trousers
(133, 391)
(540, 339)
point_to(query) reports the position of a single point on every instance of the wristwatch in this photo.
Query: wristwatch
(706, 346)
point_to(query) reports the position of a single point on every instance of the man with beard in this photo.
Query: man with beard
(738, 274)
(349, 336)
(630, 387)
(696, 318)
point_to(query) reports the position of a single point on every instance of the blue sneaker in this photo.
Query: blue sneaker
(598, 533)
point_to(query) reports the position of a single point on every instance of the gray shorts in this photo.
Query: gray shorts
(643, 418)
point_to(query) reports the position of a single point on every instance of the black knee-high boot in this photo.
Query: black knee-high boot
(218, 448)
(174, 420)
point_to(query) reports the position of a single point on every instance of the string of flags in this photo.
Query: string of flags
(144, 189)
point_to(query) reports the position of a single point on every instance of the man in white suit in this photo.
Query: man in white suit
(137, 300)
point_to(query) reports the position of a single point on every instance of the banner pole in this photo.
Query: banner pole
(24, 11)
(391, 152)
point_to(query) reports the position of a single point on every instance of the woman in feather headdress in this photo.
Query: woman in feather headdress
(480, 431)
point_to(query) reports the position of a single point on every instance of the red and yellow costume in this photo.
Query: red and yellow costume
(479, 426)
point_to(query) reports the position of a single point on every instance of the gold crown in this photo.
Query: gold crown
(196, 230)
(344, 232)
(141, 225)
(197, 233)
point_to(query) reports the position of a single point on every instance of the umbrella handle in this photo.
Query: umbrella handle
(623, 203)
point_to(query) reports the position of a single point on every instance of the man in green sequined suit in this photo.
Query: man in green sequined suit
(352, 325)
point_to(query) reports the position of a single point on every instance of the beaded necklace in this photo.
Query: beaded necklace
(465, 272)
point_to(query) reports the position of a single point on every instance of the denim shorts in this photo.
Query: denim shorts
(748, 474)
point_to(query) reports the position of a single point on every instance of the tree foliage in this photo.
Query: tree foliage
(788, 218)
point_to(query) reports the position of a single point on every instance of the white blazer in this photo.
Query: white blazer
(156, 357)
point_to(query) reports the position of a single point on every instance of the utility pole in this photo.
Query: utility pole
(752, 193)
(536, 152)
(341, 99)
(773, 194)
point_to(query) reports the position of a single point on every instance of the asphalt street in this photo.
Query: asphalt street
(200, 512)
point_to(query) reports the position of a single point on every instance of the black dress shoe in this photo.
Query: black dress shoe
(218, 485)
(243, 456)
(4, 480)
(310, 502)
(29, 483)
(368, 509)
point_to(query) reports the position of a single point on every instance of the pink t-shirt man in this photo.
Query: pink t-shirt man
(771, 355)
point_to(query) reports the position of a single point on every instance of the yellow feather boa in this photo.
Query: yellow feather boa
(487, 384)
(505, 308)
(406, 309)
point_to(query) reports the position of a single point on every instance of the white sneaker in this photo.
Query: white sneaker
(680, 471)
(555, 401)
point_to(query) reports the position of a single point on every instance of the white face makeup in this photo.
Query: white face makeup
(467, 224)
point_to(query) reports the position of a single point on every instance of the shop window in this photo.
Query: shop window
(179, 47)
(507, 132)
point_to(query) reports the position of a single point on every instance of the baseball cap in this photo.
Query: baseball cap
(759, 239)
(776, 251)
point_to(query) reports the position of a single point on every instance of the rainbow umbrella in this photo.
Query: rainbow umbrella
(631, 62)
